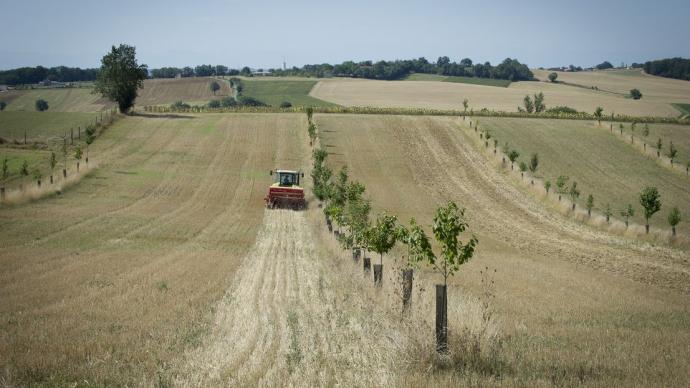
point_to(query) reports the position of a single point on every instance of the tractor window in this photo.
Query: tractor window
(287, 180)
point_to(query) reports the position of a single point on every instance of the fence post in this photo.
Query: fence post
(441, 319)
(2, 194)
(71, 136)
(79, 133)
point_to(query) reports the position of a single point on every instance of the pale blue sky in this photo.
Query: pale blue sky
(260, 34)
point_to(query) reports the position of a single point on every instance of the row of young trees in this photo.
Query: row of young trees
(37, 173)
(344, 203)
(649, 197)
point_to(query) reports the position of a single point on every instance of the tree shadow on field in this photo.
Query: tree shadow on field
(162, 116)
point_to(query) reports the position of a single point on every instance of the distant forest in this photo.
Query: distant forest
(32, 75)
(509, 69)
(678, 68)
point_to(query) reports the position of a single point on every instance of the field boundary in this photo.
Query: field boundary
(418, 112)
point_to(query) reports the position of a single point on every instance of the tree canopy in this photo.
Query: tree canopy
(121, 76)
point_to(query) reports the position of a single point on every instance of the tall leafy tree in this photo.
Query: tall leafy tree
(529, 105)
(121, 76)
(674, 219)
(651, 203)
(449, 222)
(214, 87)
(539, 105)
(574, 193)
(382, 237)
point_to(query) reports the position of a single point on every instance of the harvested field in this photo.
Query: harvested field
(59, 100)
(448, 95)
(577, 304)
(110, 281)
(41, 126)
(654, 89)
(613, 171)
(167, 91)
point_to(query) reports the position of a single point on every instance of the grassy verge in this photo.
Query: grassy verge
(40, 126)
(683, 108)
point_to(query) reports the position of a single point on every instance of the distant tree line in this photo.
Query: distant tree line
(198, 71)
(509, 69)
(32, 75)
(678, 68)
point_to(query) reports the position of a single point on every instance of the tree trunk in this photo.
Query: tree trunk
(77, 166)
(673, 228)
(573, 207)
(2, 193)
(367, 264)
(408, 277)
(64, 173)
(646, 228)
(441, 318)
(39, 183)
(51, 179)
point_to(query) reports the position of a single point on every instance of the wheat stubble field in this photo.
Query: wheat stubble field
(576, 305)
(659, 93)
(109, 281)
(162, 268)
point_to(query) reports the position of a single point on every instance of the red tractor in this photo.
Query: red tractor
(285, 192)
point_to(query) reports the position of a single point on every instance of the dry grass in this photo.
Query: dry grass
(576, 305)
(155, 270)
(59, 100)
(446, 95)
(109, 282)
(613, 171)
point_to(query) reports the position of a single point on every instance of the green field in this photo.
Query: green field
(602, 164)
(275, 92)
(463, 80)
(16, 157)
(683, 108)
(41, 126)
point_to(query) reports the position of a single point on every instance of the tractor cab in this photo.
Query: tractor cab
(287, 178)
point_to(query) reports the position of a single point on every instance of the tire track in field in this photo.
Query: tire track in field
(285, 322)
(450, 167)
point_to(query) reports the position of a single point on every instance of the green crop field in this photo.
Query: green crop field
(463, 80)
(40, 126)
(683, 108)
(36, 159)
(274, 92)
(602, 163)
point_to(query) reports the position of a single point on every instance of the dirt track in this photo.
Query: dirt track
(285, 321)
